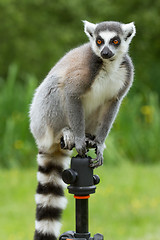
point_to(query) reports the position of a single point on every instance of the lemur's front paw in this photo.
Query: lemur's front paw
(80, 146)
(98, 161)
(68, 139)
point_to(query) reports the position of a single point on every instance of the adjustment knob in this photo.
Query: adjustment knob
(69, 176)
(96, 179)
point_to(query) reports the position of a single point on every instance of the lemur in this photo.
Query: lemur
(78, 100)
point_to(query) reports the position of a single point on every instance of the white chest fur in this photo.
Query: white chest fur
(105, 87)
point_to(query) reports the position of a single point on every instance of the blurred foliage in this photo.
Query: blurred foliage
(17, 145)
(36, 33)
(136, 132)
(133, 137)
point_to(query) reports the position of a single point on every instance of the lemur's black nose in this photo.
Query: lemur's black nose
(106, 53)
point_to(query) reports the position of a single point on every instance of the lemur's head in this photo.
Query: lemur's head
(109, 39)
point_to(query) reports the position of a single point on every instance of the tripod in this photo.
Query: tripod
(82, 183)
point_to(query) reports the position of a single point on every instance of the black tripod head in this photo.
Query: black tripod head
(80, 177)
(82, 184)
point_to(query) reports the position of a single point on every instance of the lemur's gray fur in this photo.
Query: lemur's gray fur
(80, 97)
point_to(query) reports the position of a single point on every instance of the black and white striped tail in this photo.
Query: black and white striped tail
(49, 196)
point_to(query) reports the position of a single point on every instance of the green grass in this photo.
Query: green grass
(126, 205)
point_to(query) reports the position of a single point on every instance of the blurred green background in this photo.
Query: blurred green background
(34, 36)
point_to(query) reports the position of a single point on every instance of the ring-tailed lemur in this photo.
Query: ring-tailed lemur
(81, 95)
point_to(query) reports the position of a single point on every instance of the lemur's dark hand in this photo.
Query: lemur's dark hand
(98, 161)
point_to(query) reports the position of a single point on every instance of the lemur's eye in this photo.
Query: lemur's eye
(99, 41)
(115, 41)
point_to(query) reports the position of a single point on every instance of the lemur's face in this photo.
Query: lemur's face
(109, 39)
(107, 44)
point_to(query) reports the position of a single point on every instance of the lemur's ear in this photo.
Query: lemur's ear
(129, 31)
(89, 28)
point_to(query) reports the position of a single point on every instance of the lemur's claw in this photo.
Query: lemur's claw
(94, 163)
(98, 161)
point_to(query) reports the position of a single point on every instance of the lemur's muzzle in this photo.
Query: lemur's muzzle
(106, 53)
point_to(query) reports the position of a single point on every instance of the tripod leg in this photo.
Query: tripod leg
(81, 215)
